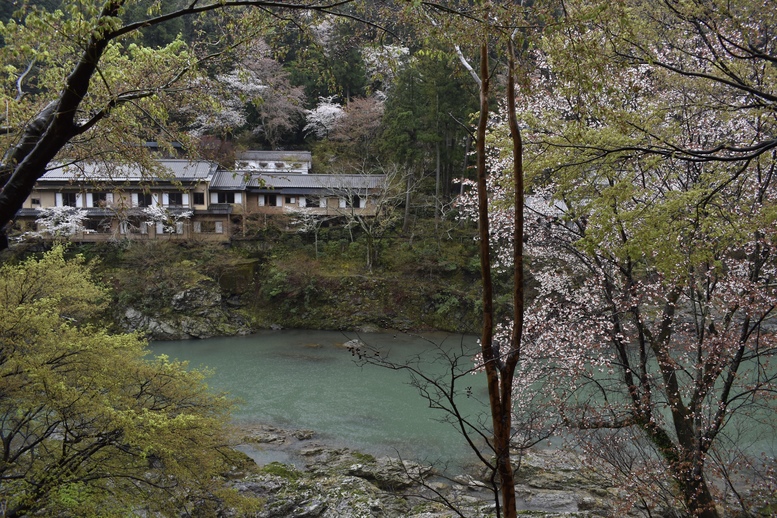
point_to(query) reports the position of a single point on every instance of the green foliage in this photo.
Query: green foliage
(364, 457)
(334, 290)
(332, 68)
(90, 426)
(428, 107)
(282, 470)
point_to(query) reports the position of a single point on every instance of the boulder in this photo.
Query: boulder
(155, 329)
(192, 300)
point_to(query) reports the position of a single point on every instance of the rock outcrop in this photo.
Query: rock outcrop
(197, 312)
(319, 481)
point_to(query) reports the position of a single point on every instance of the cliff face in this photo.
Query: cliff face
(180, 291)
(197, 312)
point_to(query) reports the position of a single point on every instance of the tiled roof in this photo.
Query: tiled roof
(228, 180)
(316, 181)
(179, 169)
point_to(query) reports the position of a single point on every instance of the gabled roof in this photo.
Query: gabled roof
(228, 181)
(177, 169)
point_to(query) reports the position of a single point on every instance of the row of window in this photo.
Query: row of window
(76, 199)
(276, 200)
(199, 227)
(142, 199)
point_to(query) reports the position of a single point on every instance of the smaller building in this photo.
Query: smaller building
(297, 162)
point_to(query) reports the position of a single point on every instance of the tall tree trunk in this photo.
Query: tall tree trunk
(499, 381)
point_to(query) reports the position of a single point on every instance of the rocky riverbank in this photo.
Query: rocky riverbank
(314, 480)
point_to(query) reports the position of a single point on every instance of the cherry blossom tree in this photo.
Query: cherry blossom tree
(322, 118)
(60, 222)
(651, 232)
(171, 222)
(256, 92)
(348, 135)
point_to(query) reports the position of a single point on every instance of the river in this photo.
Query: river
(309, 380)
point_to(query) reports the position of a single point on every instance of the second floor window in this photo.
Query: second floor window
(145, 199)
(175, 198)
(198, 198)
(355, 202)
(68, 199)
(99, 199)
(226, 197)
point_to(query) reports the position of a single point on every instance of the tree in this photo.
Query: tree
(326, 57)
(81, 437)
(380, 214)
(69, 73)
(426, 112)
(719, 54)
(61, 221)
(255, 96)
(322, 118)
(308, 222)
(500, 358)
(652, 242)
(348, 134)
(170, 222)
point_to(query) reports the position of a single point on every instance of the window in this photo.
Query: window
(205, 226)
(98, 226)
(132, 226)
(290, 200)
(175, 198)
(99, 199)
(68, 199)
(209, 227)
(226, 197)
(145, 199)
(355, 201)
(199, 198)
(271, 200)
(35, 201)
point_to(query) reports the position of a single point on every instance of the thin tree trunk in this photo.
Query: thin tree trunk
(499, 392)
(437, 186)
(406, 219)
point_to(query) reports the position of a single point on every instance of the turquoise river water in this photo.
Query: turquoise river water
(309, 380)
